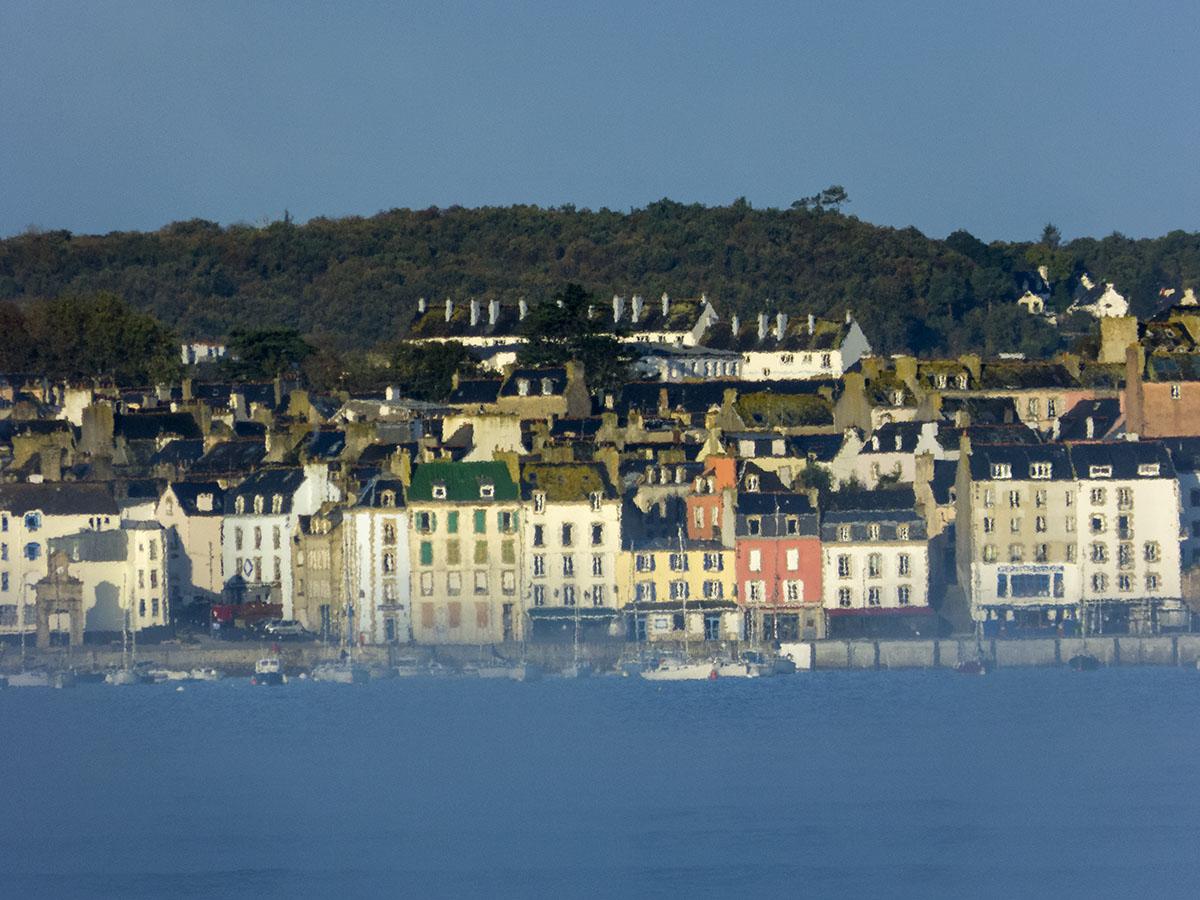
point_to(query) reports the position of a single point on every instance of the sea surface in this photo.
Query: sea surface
(1021, 783)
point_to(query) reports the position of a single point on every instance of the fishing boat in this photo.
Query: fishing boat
(341, 673)
(972, 667)
(681, 670)
(268, 671)
(1084, 662)
(30, 678)
(204, 673)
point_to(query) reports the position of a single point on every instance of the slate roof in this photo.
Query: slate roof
(58, 499)
(265, 483)
(775, 502)
(1124, 458)
(231, 457)
(555, 378)
(892, 499)
(1020, 375)
(1019, 458)
(188, 492)
(945, 474)
(180, 451)
(476, 390)
(372, 493)
(462, 481)
(816, 447)
(145, 426)
(326, 445)
(1104, 413)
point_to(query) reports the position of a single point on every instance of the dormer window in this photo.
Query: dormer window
(522, 387)
(680, 475)
(752, 482)
(539, 501)
(1001, 470)
(239, 505)
(897, 398)
(873, 531)
(1148, 470)
(547, 387)
(33, 521)
(277, 504)
(1099, 471)
(1040, 470)
(962, 381)
(439, 490)
(258, 504)
(942, 381)
(204, 502)
(487, 491)
(843, 532)
(387, 498)
(594, 500)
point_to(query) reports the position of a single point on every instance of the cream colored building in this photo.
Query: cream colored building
(191, 514)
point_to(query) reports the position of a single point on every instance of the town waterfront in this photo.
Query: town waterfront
(1026, 782)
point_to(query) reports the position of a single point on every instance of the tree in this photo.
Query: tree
(426, 371)
(1051, 236)
(560, 331)
(265, 352)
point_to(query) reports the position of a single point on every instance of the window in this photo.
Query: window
(454, 582)
(481, 552)
(154, 578)
(1099, 471)
(1070, 523)
(1099, 553)
(506, 522)
(427, 586)
(258, 504)
(1125, 555)
(843, 566)
(755, 560)
(239, 505)
(539, 536)
(1014, 499)
(508, 552)
(712, 626)
(713, 590)
(753, 526)
(903, 595)
(1148, 470)
(843, 533)
(1070, 553)
(568, 568)
(1151, 551)
(902, 564)
(237, 538)
(1014, 525)
(597, 534)
(452, 521)
(1033, 407)
(1124, 583)
(679, 590)
(1001, 470)
(389, 534)
(873, 531)
(755, 590)
(257, 537)
(1041, 552)
(844, 597)
(508, 581)
(568, 595)
(453, 553)
(902, 532)
(1039, 498)
(873, 596)
(387, 498)
(1039, 523)
(644, 591)
(276, 538)
(539, 595)
(752, 483)
(389, 561)
(597, 565)
(568, 534)
(277, 504)
(1040, 470)
(1176, 392)
(426, 553)
(989, 497)
(454, 614)
(1125, 527)
(1096, 524)
(1151, 582)
(487, 491)
(1016, 553)
(714, 562)
(989, 524)
(874, 565)
(989, 553)
(426, 522)
(644, 562)
(1098, 496)
(1099, 582)
(792, 525)
(481, 582)
(480, 521)
(539, 501)
(33, 550)
(678, 562)
(792, 559)
(793, 591)
(3, 581)
(1124, 498)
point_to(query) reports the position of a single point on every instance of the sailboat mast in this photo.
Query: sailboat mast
(687, 650)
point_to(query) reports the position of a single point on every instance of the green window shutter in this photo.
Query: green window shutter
(452, 522)
(480, 521)
(426, 553)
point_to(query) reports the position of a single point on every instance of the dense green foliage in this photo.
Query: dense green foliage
(354, 282)
(76, 335)
(559, 330)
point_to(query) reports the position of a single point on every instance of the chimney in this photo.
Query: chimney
(591, 311)
(812, 323)
(522, 309)
(848, 317)
(666, 302)
(762, 326)
(637, 303)
(474, 313)
(735, 324)
(449, 308)
(421, 305)
(493, 311)
(1090, 423)
(618, 309)
(781, 320)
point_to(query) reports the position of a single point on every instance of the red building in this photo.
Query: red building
(712, 498)
(778, 562)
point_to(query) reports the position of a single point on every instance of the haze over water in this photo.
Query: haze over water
(1021, 783)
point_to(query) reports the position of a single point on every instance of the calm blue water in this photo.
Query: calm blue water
(1024, 782)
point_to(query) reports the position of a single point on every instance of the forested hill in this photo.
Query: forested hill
(354, 282)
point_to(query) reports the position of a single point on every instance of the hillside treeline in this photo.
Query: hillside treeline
(354, 282)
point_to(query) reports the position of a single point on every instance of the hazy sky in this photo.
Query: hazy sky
(995, 117)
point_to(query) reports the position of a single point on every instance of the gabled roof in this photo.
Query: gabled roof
(1018, 460)
(179, 451)
(231, 456)
(151, 425)
(1104, 414)
(373, 493)
(566, 482)
(539, 382)
(476, 390)
(325, 444)
(58, 499)
(1128, 460)
(462, 481)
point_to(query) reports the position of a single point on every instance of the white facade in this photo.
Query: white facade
(378, 569)
(780, 365)
(571, 551)
(875, 575)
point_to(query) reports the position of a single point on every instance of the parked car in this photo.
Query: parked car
(287, 630)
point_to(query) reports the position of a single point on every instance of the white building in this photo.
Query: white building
(572, 541)
(197, 352)
(192, 513)
(376, 558)
(260, 515)
(782, 349)
(30, 516)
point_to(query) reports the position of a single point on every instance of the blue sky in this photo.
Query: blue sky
(992, 117)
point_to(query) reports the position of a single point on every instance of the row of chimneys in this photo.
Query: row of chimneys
(493, 310)
(781, 323)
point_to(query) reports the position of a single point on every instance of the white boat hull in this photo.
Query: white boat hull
(681, 672)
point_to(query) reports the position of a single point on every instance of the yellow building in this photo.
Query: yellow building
(676, 590)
